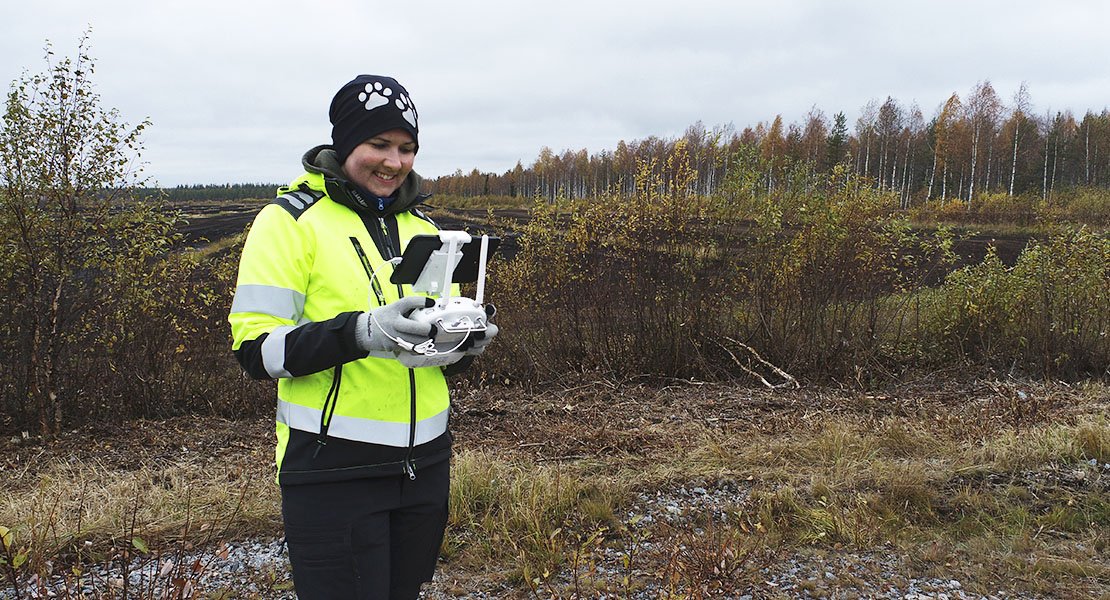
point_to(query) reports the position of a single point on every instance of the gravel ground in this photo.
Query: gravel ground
(562, 427)
(258, 568)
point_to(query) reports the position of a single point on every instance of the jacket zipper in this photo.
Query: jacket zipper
(409, 467)
(330, 402)
(388, 240)
(374, 285)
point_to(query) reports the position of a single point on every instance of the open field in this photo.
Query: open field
(962, 483)
(213, 221)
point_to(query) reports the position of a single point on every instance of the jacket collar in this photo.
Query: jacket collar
(323, 160)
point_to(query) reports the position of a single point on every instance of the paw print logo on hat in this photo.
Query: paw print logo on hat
(376, 94)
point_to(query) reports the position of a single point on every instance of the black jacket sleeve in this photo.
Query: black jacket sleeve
(309, 348)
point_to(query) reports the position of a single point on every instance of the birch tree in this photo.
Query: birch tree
(983, 108)
(888, 126)
(771, 150)
(78, 248)
(1022, 107)
(914, 131)
(865, 128)
(942, 131)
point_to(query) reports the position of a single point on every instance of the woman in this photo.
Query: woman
(362, 442)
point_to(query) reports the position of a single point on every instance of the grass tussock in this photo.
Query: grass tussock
(502, 512)
(91, 506)
(99, 499)
(1087, 439)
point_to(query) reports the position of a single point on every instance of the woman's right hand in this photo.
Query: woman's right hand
(388, 328)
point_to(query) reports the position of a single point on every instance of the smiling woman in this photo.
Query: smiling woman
(381, 164)
(374, 133)
(357, 433)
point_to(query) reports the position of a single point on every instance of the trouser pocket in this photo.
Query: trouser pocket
(323, 566)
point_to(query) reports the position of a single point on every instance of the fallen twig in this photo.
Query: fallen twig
(788, 380)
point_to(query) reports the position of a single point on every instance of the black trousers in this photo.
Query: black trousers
(366, 539)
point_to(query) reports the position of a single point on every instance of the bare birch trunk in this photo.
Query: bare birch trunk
(1087, 156)
(882, 164)
(867, 158)
(893, 167)
(1055, 156)
(1013, 163)
(933, 172)
(974, 155)
(990, 159)
(1044, 177)
(906, 177)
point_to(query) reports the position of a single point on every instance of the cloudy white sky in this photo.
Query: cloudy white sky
(236, 90)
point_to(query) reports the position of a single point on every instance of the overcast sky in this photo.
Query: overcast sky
(237, 90)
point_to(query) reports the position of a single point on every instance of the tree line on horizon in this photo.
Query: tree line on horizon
(215, 192)
(971, 145)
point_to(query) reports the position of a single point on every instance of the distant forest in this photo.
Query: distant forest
(225, 191)
(978, 144)
(971, 145)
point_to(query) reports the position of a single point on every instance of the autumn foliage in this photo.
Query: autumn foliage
(831, 283)
(713, 256)
(969, 146)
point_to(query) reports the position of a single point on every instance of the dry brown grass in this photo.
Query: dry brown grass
(975, 480)
(988, 481)
(86, 495)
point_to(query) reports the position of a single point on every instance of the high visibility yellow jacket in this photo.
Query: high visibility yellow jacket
(304, 277)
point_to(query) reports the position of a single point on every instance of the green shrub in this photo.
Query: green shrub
(818, 276)
(668, 284)
(625, 285)
(104, 314)
(1050, 312)
(1085, 205)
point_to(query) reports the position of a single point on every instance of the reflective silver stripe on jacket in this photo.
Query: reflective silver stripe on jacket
(268, 300)
(387, 433)
(300, 200)
(273, 352)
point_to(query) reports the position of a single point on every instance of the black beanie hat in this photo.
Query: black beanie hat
(366, 106)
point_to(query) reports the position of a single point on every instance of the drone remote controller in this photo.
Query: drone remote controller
(454, 317)
(454, 320)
